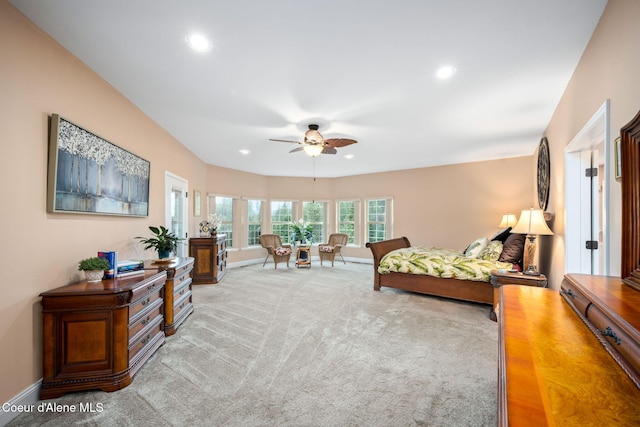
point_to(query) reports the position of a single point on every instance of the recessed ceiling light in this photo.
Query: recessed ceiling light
(446, 72)
(245, 151)
(198, 42)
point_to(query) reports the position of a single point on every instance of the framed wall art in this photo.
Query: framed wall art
(617, 159)
(88, 174)
(544, 173)
(196, 203)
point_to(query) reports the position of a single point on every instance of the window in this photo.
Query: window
(378, 219)
(347, 219)
(254, 221)
(314, 214)
(224, 212)
(281, 217)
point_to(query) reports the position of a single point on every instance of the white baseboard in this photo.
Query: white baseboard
(27, 397)
(313, 258)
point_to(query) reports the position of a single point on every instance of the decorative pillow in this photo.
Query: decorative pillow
(283, 251)
(513, 248)
(326, 248)
(502, 235)
(476, 247)
(492, 251)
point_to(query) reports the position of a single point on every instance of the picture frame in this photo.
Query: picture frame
(90, 175)
(617, 159)
(196, 203)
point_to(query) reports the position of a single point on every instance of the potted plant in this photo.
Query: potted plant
(163, 241)
(93, 268)
(301, 232)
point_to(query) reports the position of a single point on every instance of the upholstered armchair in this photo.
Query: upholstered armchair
(328, 251)
(273, 244)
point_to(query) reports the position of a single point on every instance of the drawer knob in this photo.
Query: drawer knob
(608, 332)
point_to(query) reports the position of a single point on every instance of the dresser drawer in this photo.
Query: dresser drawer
(617, 339)
(574, 296)
(180, 283)
(145, 337)
(148, 287)
(143, 305)
(181, 289)
(183, 302)
(183, 271)
(143, 318)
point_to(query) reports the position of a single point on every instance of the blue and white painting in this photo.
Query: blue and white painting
(92, 175)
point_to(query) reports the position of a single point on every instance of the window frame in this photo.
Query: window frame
(388, 218)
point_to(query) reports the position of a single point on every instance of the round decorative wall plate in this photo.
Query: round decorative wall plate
(544, 173)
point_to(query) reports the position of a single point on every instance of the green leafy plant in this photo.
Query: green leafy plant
(93, 263)
(301, 232)
(162, 240)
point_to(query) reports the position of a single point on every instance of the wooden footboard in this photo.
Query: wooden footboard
(380, 249)
(465, 290)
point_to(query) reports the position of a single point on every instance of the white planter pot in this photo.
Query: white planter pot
(94, 275)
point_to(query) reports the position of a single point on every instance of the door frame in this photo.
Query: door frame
(172, 182)
(592, 134)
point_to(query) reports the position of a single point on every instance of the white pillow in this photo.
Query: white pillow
(476, 247)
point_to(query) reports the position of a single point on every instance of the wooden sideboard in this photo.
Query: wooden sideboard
(98, 335)
(210, 255)
(553, 370)
(178, 303)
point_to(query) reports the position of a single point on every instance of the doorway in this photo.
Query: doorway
(176, 190)
(586, 197)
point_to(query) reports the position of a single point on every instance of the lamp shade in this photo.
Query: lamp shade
(508, 220)
(532, 222)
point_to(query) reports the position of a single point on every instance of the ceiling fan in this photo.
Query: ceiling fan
(314, 144)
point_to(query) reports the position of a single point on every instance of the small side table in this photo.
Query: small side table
(303, 256)
(499, 278)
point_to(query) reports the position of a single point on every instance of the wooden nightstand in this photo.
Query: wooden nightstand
(499, 278)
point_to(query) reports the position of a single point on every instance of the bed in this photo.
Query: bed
(478, 289)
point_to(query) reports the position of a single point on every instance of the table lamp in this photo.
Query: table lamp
(531, 223)
(508, 220)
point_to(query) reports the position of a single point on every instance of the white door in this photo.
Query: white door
(586, 222)
(176, 191)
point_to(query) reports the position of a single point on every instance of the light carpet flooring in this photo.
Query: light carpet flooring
(308, 347)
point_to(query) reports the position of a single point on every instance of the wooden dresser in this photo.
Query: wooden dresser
(210, 255)
(573, 357)
(553, 370)
(98, 335)
(177, 291)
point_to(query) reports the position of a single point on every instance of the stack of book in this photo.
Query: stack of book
(130, 268)
(112, 257)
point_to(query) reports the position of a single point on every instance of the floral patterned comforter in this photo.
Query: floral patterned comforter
(438, 262)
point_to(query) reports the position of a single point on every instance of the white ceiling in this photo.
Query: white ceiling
(360, 69)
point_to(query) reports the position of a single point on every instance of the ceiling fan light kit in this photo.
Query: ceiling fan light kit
(313, 150)
(314, 144)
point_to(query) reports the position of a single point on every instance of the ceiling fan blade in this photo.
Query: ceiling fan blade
(297, 149)
(339, 142)
(286, 140)
(329, 150)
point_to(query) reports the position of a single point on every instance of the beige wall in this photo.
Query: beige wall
(608, 69)
(41, 250)
(447, 206)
